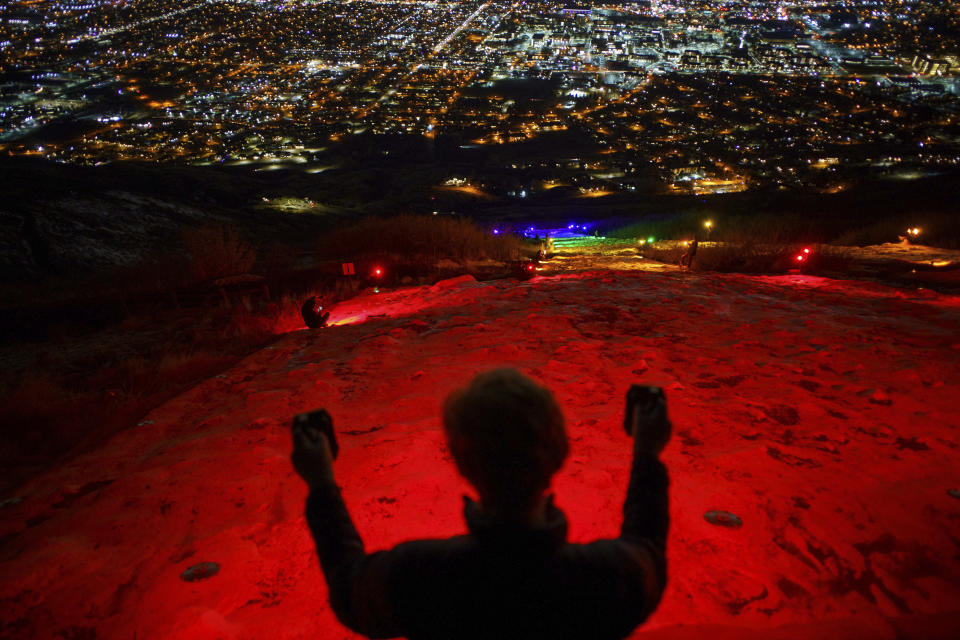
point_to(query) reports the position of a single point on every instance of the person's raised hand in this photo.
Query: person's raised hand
(311, 457)
(651, 428)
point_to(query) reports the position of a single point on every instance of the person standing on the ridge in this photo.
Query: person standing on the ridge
(689, 254)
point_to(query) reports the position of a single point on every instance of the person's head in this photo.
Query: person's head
(507, 437)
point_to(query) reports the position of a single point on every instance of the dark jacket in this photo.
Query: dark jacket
(500, 581)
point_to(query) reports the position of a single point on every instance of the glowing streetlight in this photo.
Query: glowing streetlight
(708, 224)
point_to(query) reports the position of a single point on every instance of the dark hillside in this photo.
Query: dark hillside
(58, 220)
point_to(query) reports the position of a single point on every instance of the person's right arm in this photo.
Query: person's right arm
(646, 517)
(358, 583)
(629, 573)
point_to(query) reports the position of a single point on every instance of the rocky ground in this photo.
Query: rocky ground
(819, 412)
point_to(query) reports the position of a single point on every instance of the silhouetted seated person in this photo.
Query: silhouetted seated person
(513, 575)
(313, 314)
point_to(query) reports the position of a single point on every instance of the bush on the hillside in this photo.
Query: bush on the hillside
(745, 257)
(279, 258)
(157, 272)
(812, 227)
(749, 257)
(217, 251)
(69, 400)
(41, 418)
(758, 229)
(937, 229)
(418, 239)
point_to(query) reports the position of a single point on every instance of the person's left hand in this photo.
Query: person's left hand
(311, 455)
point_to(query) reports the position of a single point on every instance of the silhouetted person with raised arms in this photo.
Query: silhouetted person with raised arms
(513, 575)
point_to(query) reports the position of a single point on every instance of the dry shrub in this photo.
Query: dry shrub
(153, 273)
(28, 408)
(669, 254)
(287, 316)
(247, 329)
(44, 416)
(746, 257)
(743, 229)
(217, 251)
(418, 239)
(278, 257)
(938, 230)
(187, 367)
(40, 418)
(743, 257)
(69, 399)
(142, 377)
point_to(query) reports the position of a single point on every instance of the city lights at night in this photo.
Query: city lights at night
(714, 96)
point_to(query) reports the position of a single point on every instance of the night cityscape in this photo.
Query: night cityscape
(715, 96)
(486, 238)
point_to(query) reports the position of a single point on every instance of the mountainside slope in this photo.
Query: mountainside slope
(822, 413)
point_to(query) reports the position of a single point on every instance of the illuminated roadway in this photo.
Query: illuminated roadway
(416, 67)
(460, 27)
(133, 25)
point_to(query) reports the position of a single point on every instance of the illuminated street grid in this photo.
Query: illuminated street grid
(713, 95)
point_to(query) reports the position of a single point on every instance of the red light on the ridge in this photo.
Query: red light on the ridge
(378, 271)
(800, 258)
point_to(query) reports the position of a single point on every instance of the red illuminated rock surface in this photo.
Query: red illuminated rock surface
(822, 414)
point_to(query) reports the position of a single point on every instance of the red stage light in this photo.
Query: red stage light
(800, 258)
